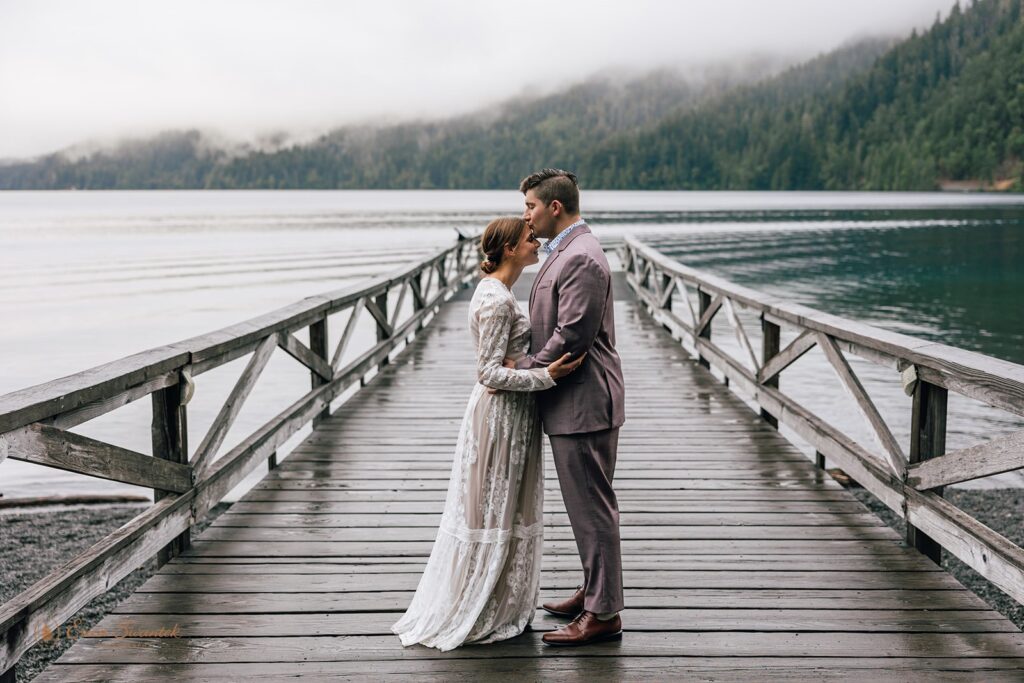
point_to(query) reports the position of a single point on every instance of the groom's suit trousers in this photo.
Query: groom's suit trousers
(586, 465)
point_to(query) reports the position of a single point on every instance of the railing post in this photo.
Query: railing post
(10, 676)
(418, 297)
(770, 345)
(705, 303)
(169, 432)
(382, 333)
(927, 440)
(666, 282)
(318, 345)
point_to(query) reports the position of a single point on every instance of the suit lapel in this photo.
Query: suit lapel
(551, 259)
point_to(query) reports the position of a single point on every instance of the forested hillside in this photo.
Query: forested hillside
(944, 105)
(486, 149)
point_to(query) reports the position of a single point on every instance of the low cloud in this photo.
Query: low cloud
(72, 71)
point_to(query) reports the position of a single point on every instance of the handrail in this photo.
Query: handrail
(909, 482)
(33, 424)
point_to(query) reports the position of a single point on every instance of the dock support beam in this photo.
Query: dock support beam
(382, 331)
(318, 345)
(704, 300)
(169, 433)
(927, 440)
(770, 345)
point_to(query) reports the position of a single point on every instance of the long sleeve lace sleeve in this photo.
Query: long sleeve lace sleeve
(494, 318)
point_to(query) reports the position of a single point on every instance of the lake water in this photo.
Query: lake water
(89, 277)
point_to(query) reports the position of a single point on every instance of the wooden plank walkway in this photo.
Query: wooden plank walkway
(742, 560)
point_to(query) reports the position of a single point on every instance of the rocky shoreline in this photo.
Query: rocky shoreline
(33, 543)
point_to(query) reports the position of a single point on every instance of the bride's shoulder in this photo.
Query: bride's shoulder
(491, 286)
(490, 291)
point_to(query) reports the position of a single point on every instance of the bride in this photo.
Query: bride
(482, 580)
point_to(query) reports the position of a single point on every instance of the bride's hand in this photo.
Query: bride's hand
(563, 366)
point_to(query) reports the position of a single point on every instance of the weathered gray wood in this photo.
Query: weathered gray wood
(553, 581)
(685, 292)
(397, 311)
(649, 519)
(639, 598)
(927, 440)
(93, 410)
(713, 644)
(279, 535)
(229, 470)
(708, 308)
(322, 371)
(669, 619)
(1001, 454)
(891, 448)
(666, 288)
(702, 328)
(987, 552)
(72, 452)
(569, 667)
(169, 432)
(378, 309)
(346, 337)
(372, 566)
(778, 361)
(305, 355)
(770, 340)
(839, 448)
(741, 334)
(64, 395)
(233, 405)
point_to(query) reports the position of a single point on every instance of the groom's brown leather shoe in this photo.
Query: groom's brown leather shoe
(570, 608)
(584, 630)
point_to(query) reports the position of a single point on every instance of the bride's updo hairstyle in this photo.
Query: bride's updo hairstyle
(497, 234)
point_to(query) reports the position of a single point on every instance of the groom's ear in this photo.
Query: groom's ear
(556, 207)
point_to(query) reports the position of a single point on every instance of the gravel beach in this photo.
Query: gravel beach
(34, 543)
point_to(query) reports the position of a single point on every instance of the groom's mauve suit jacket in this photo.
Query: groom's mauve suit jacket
(571, 312)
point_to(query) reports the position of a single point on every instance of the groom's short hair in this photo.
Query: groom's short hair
(550, 184)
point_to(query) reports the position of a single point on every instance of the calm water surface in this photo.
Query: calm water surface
(86, 278)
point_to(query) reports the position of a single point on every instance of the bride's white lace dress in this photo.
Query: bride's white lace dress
(482, 580)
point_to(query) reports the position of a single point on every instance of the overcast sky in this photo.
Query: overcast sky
(98, 69)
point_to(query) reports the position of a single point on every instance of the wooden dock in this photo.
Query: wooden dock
(743, 560)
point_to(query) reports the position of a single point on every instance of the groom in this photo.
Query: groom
(571, 312)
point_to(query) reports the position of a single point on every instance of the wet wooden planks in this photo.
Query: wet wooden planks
(741, 559)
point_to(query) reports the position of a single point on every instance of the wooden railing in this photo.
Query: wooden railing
(34, 424)
(909, 482)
